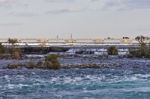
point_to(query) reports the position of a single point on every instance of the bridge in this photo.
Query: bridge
(124, 42)
(70, 41)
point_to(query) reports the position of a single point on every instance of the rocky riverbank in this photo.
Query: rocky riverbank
(77, 62)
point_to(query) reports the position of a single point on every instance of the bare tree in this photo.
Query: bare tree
(12, 41)
(141, 39)
(15, 52)
(144, 51)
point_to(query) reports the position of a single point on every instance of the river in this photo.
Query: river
(129, 80)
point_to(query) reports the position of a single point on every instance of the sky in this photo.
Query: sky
(81, 18)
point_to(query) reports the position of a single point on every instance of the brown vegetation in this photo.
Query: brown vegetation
(112, 50)
(50, 62)
(144, 49)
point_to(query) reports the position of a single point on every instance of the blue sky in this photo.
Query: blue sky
(82, 18)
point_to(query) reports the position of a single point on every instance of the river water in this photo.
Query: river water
(131, 80)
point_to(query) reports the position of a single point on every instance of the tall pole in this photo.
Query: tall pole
(57, 37)
(71, 38)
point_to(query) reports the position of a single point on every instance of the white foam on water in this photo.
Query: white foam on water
(78, 79)
(132, 78)
(138, 89)
(39, 80)
(135, 77)
(90, 79)
(23, 85)
(20, 77)
(143, 75)
(10, 86)
(67, 80)
(54, 79)
(14, 86)
(7, 78)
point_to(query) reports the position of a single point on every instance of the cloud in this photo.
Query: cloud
(65, 10)
(59, 1)
(94, 0)
(138, 4)
(11, 24)
(6, 2)
(23, 14)
(123, 4)
(34, 7)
